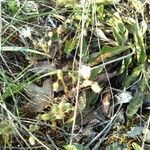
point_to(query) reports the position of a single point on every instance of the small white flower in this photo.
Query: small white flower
(86, 83)
(85, 71)
(3, 1)
(124, 97)
(60, 74)
(55, 86)
(30, 7)
(82, 2)
(32, 140)
(50, 34)
(26, 32)
(95, 87)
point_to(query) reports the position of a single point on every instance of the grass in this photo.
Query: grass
(75, 44)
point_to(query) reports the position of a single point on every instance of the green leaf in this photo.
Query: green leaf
(91, 98)
(140, 47)
(14, 5)
(135, 104)
(6, 128)
(66, 2)
(114, 146)
(100, 10)
(69, 46)
(107, 52)
(138, 34)
(33, 127)
(85, 51)
(105, 2)
(136, 146)
(130, 24)
(95, 72)
(75, 146)
(133, 77)
(55, 37)
(125, 64)
(79, 146)
(70, 147)
(135, 131)
(46, 117)
(120, 32)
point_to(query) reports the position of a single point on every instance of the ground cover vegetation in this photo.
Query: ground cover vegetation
(75, 75)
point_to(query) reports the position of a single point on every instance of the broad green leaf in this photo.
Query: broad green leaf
(135, 104)
(100, 10)
(69, 46)
(136, 146)
(46, 117)
(77, 15)
(107, 52)
(6, 128)
(135, 131)
(130, 24)
(85, 51)
(120, 32)
(125, 64)
(14, 5)
(70, 147)
(66, 2)
(33, 127)
(133, 26)
(79, 146)
(95, 72)
(74, 147)
(58, 111)
(140, 47)
(138, 34)
(91, 98)
(133, 77)
(105, 2)
(114, 146)
(55, 37)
